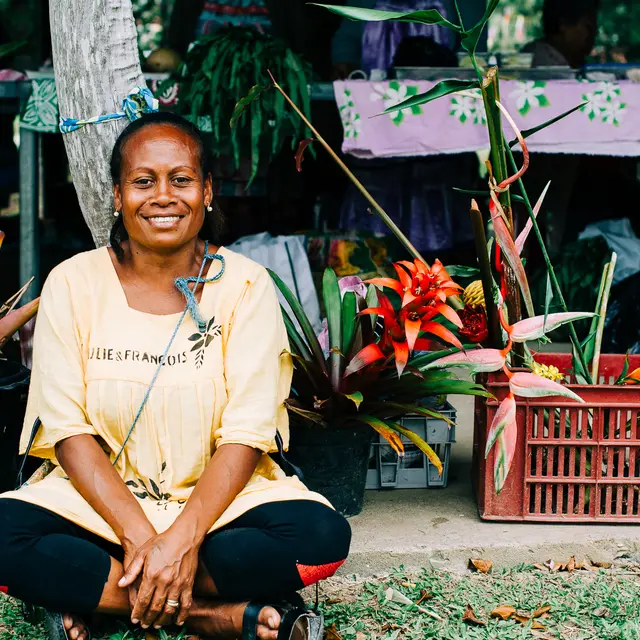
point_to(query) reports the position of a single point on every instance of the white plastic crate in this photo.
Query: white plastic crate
(413, 471)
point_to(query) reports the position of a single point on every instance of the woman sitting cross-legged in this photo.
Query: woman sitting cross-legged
(160, 375)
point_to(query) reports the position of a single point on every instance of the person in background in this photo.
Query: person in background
(416, 192)
(570, 28)
(373, 45)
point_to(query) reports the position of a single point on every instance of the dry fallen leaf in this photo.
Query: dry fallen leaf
(470, 617)
(333, 601)
(331, 633)
(504, 612)
(408, 585)
(541, 611)
(483, 566)
(390, 626)
(579, 565)
(541, 567)
(361, 636)
(521, 619)
(602, 565)
(424, 595)
(536, 624)
(571, 565)
(602, 612)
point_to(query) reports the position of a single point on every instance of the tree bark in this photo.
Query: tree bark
(96, 64)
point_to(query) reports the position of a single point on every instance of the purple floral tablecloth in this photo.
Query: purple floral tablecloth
(608, 123)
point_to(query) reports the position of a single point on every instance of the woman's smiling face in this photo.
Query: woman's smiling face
(162, 193)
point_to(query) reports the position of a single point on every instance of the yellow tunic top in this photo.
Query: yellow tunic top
(94, 357)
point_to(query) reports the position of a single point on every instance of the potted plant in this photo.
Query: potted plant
(14, 380)
(368, 369)
(210, 88)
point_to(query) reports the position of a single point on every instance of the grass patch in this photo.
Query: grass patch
(13, 625)
(584, 605)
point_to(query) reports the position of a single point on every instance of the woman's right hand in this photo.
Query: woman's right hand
(131, 544)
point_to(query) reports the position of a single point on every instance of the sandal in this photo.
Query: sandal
(297, 623)
(55, 627)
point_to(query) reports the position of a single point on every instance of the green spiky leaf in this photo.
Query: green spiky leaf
(349, 320)
(243, 103)
(529, 132)
(301, 317)
(443, 88)
(333, 308)
(427, 16)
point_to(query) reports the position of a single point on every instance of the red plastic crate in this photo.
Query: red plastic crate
(573, 462)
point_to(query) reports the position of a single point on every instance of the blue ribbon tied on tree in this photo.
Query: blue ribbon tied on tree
(139, 101)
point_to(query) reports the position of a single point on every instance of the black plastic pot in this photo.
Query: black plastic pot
(14, 384)
(334, 463)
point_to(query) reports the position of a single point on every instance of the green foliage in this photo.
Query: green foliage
(619, 23)
(578, 269)
(151, 17)
(443, 88)
(10, 47)
(428, 16)
(222, 78)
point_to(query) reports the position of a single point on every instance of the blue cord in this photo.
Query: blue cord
(182, 284)
(138, 102)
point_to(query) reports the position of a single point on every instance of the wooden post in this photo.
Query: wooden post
(96, 63)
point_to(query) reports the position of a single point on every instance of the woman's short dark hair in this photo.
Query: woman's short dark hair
(556, 13)
(214, 220)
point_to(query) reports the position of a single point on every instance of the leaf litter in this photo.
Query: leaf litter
(526, 602)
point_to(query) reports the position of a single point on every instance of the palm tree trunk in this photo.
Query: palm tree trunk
(96, 63)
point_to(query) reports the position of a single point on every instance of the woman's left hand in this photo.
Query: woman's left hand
(167, 564)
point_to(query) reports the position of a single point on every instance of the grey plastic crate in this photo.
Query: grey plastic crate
(413, 471)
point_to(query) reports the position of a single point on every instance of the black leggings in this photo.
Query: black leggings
(269, 552)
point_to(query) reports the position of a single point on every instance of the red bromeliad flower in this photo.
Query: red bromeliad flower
(424, 292)
(474, 325)
(419, 282)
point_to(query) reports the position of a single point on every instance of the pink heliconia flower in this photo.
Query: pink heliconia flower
(506, 414)
(503, 433)
(529, 385)
(534, 328)
(503, 459)
(508, 246)
(478, 361)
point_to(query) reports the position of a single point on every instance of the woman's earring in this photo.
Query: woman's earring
(209, 208)
(116, 214)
